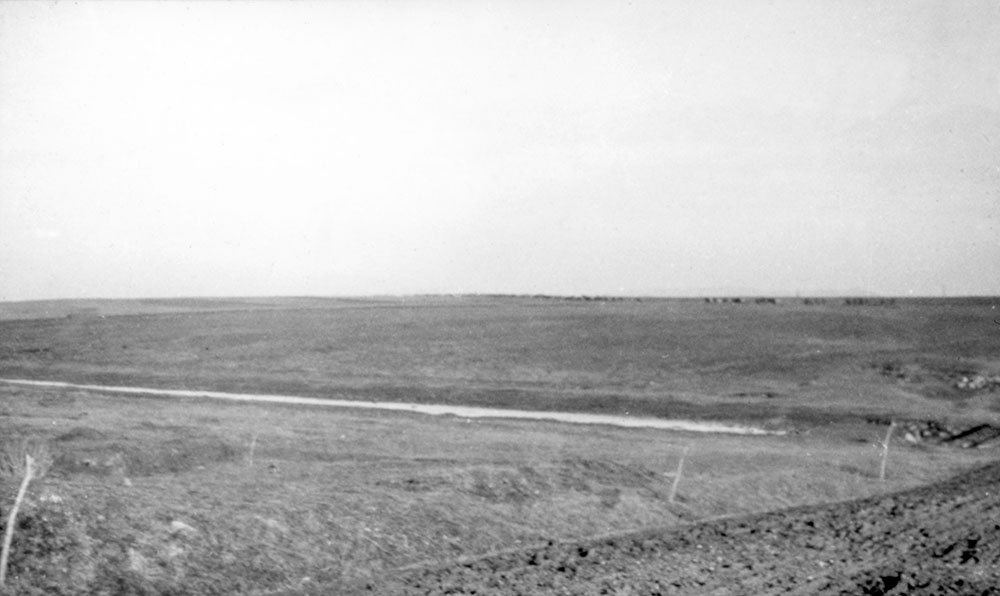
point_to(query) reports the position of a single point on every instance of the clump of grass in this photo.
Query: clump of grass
(45, 549)
(14, 459)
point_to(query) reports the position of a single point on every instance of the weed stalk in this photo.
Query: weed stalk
(29, 472)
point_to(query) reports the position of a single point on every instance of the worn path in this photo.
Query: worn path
(431, 409)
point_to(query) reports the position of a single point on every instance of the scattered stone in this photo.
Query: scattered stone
(50, 498)
(273, 524)
(179, 527)
(978, 382)
(137, 562)
(173, 551)
(932, 432)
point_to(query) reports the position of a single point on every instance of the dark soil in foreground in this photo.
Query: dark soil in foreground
(939, 539)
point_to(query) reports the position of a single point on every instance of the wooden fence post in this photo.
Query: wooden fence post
(677, 475)
(885, 450)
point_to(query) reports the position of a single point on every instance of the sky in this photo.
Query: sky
(159, 149)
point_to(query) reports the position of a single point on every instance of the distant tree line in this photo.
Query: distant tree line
(807, 301)
(581, 298)
(761, 300)
(869, 301)
(851, 301)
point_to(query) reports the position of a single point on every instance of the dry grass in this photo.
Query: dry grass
(14, 454)
(160, 496)
(337, 497)
(664, 358)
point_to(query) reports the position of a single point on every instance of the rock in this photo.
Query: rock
(137, 562)
(273, 524)
(179, 527)
(49, 497)
(173, 551)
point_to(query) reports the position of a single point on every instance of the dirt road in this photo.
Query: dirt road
(429, 409)
(940, 539)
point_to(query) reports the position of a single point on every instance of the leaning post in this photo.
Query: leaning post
(885, 450)
(29, 473)
(677, 475)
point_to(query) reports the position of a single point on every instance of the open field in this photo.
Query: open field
(161, 495)
(665, 358)
(338, 498)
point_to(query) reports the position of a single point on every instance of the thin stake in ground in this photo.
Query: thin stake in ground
(253, 446)
(29, 473)
(885, 450)
(677, 475)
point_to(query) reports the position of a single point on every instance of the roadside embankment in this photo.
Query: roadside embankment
(939, 539)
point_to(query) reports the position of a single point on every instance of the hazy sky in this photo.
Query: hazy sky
(210, 148)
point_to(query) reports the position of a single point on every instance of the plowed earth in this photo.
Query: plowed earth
(938, 539)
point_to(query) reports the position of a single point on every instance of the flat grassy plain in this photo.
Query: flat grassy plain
(165, 496)
(666, 358)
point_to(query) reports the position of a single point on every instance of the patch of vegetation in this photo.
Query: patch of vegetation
(51, 553)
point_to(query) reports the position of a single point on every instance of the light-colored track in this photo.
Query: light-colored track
(430, 409)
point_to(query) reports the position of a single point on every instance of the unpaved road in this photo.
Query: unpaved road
(431, 409)
(939, 539)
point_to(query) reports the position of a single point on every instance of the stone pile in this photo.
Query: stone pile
(932, 432)
(977, 382)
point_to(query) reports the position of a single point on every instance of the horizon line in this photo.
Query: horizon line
(540, 295)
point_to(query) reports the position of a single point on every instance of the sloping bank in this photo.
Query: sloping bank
(938, 539)
(430, 409)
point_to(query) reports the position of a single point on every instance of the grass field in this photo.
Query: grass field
(668, 358)
(160, 495)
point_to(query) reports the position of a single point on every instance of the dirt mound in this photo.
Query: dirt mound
(939, 539)
(129, 458)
